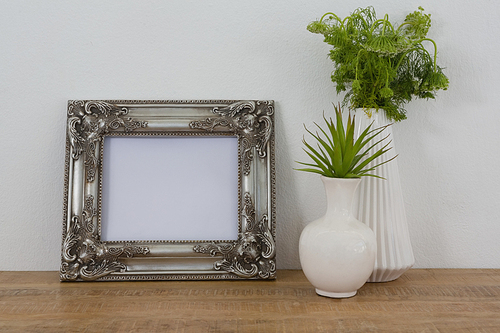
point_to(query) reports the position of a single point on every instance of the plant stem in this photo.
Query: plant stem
(385, 22)
(330, 13)
(403, 56)
(415, 48)
(435, 50)
(402, 24)
(357, 63)
(387, 74)
(386, 17)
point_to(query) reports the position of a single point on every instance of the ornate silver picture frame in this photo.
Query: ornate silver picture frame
(86, 257)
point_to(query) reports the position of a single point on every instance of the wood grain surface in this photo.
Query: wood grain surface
(422, 300)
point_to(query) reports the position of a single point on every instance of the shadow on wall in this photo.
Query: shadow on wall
(288, 213)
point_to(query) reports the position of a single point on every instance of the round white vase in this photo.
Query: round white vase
(379, 204)
(337, 252)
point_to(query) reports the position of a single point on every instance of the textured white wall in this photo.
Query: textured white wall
(52, 51)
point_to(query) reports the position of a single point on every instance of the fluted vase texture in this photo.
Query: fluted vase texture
(379, 204)
(337, 252)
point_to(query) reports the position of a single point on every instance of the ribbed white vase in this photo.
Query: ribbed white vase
(380, 205)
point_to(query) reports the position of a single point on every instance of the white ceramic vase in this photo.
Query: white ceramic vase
(379, 203)
(337, 252)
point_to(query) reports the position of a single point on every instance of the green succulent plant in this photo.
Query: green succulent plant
(339, 154)
(380, 65)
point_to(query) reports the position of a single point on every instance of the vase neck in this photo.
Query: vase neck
(340, 195)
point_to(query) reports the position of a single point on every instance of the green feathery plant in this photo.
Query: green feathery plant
(338, 155)
(380, 65)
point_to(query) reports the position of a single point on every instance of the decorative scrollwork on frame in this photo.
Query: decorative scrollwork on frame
(252, 254)
(87, 257)
(84, 256)
(88, 122)
(249, 119)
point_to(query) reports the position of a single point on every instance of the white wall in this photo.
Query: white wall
(52, 51)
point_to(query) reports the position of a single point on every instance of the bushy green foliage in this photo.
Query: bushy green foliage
(379, 65)
(338, 155)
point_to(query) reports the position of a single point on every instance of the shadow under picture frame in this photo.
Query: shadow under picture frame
(169, 190)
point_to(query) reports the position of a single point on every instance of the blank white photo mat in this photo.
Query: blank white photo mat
(169, 188)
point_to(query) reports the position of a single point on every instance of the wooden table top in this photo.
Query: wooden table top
(422, 300)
